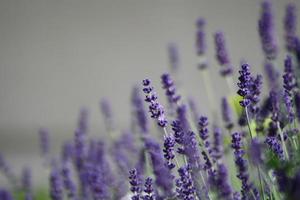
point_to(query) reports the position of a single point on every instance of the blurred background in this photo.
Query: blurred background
(59, 55)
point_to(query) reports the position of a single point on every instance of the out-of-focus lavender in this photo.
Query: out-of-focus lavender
(247, 150)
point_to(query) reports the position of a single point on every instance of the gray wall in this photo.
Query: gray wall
(59, 55)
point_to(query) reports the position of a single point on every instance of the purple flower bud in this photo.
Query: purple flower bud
(288, 101)
(267, 31)
(149, 190)
(56, 185)
(139, 110)
(290, 26)
(223, 187)
(226, 113)
(173, 56)
(222, 54)
(169, 153)
(201, 40)
(5, 194)
(289, 79)
(68, 183)
(241, 164)
(26, 179)
(184, 184)
(169, 86)
(275, 145)
(272, 75)
(244, 84)
(67, 151)
(255, 152)
(156, 109)
(163, 176)
(135, 184)
(297, 104)
(203, 131)
(44, 141)
(217, 149)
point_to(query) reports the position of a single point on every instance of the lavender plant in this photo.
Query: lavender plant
(252, 153)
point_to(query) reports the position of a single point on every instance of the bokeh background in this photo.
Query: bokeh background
(59, 55)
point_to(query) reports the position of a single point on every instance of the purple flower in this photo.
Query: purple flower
(200, 37)
(255, 152)
(56, 185)
(244, 84)
(241, 164)
(135, 184)
(275, 145)
(290, 26)
(184, 184)
(149, 190)
(222, 54)
(226, 113)
(67, 151)
(156, 109)
(272, 74)
(274, 105)
(169, 86)
(266, 30)
(68, 183)
(289, 79)
(44, 141)
(26, 179)
(169, 153)
(173, 56)
(203, 131)
(255, 90)
(288, 101)
(178, 135)
(297, 104)
(217, 149)
(223, 187)
(5, 194)
(6, 170)
(139, 110)
(163, 176)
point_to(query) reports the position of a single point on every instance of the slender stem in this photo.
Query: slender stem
(260, 182)
(248, 122)
(283, 142)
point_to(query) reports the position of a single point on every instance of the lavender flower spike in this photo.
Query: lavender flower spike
(69, 185)
(56, 185)
(168, 85)
(226, 113)
(203, 131)
(241, 164)
(244, 83)
(135, 187)
(222, 54)
(5, 194)
(184, 184)
(289, 79)
(149, 190)
(139, 110)
(223, 187)
(266, 31)
(169, 152)
(173, 56)
(290, 26)
(200, 37)
(156, 109)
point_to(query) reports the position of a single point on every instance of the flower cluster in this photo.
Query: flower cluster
(195, 158)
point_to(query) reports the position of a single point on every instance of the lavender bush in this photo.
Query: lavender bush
(247, 148)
